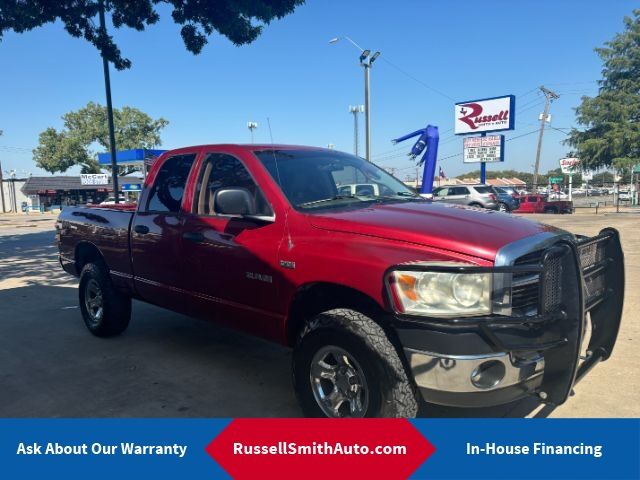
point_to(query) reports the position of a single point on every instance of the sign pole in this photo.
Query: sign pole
(570, 187)
(483, 166)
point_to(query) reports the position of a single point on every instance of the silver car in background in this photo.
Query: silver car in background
(479, 195)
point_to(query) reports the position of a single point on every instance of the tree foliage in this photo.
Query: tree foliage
(58, 151)
(241, 21)
(611, 120)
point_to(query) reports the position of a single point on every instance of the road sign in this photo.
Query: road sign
(94, 179)
(483, 149)
(587, 175)
(485, 115)
(569, 165)
(132, 187)
(556, 179)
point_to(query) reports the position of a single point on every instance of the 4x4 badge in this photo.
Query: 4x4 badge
(288, 264)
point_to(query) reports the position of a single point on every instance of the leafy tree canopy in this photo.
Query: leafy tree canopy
(241, 21)
(611, 120)
(58, 151)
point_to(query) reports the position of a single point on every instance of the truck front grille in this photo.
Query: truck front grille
(525, 286)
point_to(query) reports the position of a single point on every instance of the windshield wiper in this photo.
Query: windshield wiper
(324, 200)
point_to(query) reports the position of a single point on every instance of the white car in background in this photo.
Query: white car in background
(558, 196)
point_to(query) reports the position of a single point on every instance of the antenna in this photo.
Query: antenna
(275, 162)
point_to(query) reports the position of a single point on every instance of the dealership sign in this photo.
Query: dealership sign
(94, 179)
(483, 149)
(569, 165)
(486, 115)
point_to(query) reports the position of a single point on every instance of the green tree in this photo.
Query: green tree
(58, 151)
(241, 21)
(611, 120)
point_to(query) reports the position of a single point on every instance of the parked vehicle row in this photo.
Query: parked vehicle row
(386, 298)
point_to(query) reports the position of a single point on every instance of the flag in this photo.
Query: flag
(441, 173)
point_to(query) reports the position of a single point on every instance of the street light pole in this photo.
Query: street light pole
(252, 126)
(2, 184)
(107, 87)
(367, 111)
(355, 110)
(366, 61)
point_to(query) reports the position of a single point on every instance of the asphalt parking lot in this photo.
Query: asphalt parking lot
(168, 365)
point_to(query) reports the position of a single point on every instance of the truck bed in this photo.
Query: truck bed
(106, 227)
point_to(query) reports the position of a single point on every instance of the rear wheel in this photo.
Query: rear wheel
(344, 365)
(551, 210)
(503, 207)
(106, 312)
(475, 205)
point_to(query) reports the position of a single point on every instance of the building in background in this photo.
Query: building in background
(12, 195)
(49, 193)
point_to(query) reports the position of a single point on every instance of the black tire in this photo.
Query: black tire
(476, 205)
(389, 391)
(115, 306)
(503, 207)
(551, 210)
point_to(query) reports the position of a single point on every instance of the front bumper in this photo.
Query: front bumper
(483, 361)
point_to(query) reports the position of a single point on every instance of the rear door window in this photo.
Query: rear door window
(168, 187)
(483, 190)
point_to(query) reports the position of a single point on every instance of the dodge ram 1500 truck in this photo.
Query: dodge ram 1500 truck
(385, 297)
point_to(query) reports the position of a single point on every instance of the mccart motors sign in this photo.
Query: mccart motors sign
(94, 179)
(483, 149)
(487, 115)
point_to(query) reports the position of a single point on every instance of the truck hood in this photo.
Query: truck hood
(475, 232)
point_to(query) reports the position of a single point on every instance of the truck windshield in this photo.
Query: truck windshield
(315, 179)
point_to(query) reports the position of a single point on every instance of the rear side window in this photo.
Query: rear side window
(459, 191)
(168, 188)
(531, 199)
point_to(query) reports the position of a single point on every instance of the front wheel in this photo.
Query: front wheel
(106, 312)
(344, 365)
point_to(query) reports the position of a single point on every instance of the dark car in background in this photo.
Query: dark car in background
(508, 199)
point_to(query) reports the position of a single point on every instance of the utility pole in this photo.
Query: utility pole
(355, 110)
(550, 97)
(252, 126)
(107, 87)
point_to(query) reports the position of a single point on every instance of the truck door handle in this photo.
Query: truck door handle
(193, 236)
(141, 229)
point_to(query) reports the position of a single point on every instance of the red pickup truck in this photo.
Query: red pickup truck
(385, 297)
(542, 204)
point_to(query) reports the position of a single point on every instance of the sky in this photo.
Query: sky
(433, 54)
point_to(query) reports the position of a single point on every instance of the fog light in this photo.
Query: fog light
(488, 374)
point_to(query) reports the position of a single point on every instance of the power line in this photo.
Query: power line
(416, 79)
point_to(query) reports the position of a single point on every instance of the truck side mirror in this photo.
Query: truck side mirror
(234, 201)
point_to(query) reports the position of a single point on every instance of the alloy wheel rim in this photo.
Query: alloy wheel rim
(338, 383)
(93, 301)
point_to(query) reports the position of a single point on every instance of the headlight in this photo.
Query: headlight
(442, 294)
